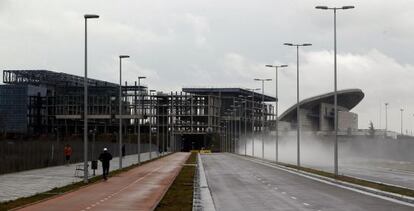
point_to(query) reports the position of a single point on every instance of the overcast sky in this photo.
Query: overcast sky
(220, 43)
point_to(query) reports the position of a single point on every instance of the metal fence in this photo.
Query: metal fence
(18, 155)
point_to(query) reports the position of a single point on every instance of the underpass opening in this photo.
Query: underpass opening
(194, 142)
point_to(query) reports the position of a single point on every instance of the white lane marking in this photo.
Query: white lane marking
(127, 186)
(292, 197)
(331, 183)
(306, 204)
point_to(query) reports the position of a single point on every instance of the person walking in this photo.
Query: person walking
(105, 157)
(68, 153)
(123, 150)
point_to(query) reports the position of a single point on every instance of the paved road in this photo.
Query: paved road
(140, 188)
(28, 183)
(386, 175)
(238, 184)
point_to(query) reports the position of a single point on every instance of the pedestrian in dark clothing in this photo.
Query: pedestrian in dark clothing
(123, 150)
(105, 157)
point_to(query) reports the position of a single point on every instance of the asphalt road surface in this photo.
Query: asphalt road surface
(239, 184)
(386, 175)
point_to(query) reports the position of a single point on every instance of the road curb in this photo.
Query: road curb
(202, 199)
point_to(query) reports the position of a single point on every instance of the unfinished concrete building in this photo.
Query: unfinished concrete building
(50, 102)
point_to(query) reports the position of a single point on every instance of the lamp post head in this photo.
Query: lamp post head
(268, 79)
(269, 65)
(256, 79)
(284, 65)
(288, 44)
(141, 77)
(123, 56)
(321, 7)
(348, 7)
(87, 16)
(306, 44)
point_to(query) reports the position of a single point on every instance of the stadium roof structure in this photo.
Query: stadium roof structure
(347, 98)
(229, 92)
(37, 77)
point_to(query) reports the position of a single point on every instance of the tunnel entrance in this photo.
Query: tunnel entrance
(194, 142)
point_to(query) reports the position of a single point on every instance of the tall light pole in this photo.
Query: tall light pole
(120, 108)
(245, 122)
(237, 112)
(402, 110)
(252, 117)
(412, 127)
(85, 102)
(139, 127)
(263, 111)
(276, 110)
(386, 119)
(150, 123)
(335, 83)
(234, 125)
(297, 96)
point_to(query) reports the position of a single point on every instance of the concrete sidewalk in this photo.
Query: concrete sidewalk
(31, 182)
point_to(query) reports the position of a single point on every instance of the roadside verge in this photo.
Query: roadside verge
(202, 200)
(180, 194)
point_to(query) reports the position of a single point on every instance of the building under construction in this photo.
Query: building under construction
(39, 102)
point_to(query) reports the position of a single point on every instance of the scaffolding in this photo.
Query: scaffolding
(189, 116)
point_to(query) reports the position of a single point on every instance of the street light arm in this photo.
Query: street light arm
(348, 7)
(87, 16)
(321, 7)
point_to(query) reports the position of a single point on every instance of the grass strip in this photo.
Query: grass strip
(366, 183)
(180, 195)
(20, 202)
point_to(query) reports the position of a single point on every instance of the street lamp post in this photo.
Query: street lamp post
(120, 109)
(234, 130)
(150, 123)
(297, 96)
(245, 122)
(335, 82)
(252, 117)
(139, 126)
(276, 110)
(263, 112)
(85, 102)
(402, 110)
(386, 119)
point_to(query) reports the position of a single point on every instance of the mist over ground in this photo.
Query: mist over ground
(318, 150)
